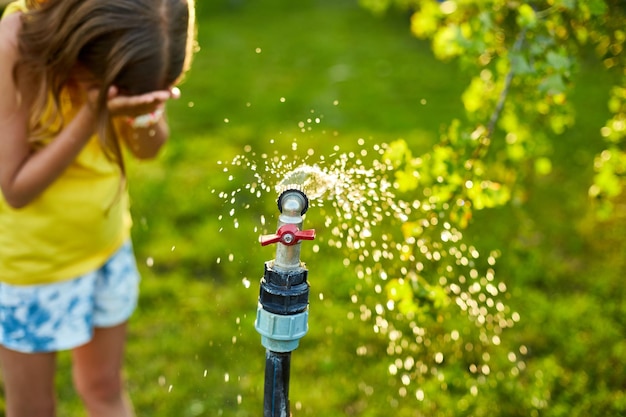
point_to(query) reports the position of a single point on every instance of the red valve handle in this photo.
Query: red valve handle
(288, 234)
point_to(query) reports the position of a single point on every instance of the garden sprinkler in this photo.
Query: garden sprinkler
(282, 312)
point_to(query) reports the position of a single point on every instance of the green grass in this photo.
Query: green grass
(264, 67)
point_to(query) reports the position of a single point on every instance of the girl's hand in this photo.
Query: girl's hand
(133, 106)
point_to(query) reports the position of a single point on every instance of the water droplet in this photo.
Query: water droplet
(419, 394)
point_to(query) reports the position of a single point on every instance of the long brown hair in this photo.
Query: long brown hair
(136, 45)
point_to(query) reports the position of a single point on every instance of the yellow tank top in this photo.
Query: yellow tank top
(14, 7)
(74, 226)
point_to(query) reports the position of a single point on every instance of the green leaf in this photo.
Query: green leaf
(526, 17)
(516, 151)
(608, 182)
(543, 166)
(597, 7)
(488, 194)
(473, 97)
(446, 42)
(520, 65)
(411, 229)
(398, 289)
(559, 62)
(406, 180)
(397, 153)
(553, 84)
(425, 22)
(568, 4)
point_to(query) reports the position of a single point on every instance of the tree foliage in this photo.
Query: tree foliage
(523, 57)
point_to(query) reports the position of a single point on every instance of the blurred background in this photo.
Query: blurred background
(276, 84)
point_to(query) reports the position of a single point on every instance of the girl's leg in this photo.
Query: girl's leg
(97, 371)
(28, 383)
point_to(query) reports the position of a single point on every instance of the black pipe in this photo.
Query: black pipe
(276, 400)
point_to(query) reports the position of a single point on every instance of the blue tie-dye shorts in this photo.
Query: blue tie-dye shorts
(62, 315)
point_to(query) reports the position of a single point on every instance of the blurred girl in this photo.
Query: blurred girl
(79, 81)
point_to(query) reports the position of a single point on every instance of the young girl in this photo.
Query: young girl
(79, 81)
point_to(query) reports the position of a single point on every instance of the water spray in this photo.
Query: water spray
(282, 314)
